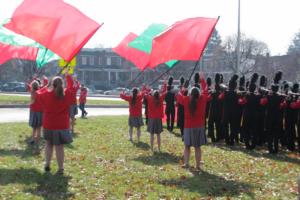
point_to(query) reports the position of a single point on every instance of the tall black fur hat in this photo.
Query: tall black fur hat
(242, 81)
(233, 82)
(295, 88)
(181, 81)
(263, 81)
(197, 78)
(277, 78)
(254, 78)
(208, 81)
(170, 81)
(217, 78)
(221, 78)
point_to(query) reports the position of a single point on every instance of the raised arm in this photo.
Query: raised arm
(69, 81)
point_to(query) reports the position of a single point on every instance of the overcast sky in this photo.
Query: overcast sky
(272, 21)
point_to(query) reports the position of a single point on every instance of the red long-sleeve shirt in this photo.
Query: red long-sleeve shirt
(198, 119)
(136, 109)
(83, 95)
(55, 110)
(35, 105)
(156, 111)
(73, 86)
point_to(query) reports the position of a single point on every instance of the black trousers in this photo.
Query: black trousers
(214, 123)
(230, 129)
(170, 112)
(273, 130)
(82, 108)
(250, 132)
(260, 128)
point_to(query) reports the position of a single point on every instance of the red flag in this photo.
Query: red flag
(184, 40)
(55, 24)
(137, 57)
(9, 52)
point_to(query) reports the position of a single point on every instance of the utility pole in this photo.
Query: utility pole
(238, 44)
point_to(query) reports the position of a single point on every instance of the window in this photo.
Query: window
(92, 60)
(108, 61)
(100, 61)
(116, 61)
(83, 60)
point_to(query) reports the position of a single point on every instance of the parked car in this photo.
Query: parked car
(14, 87)
(116, 91)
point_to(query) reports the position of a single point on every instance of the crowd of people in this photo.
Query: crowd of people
(238, 112)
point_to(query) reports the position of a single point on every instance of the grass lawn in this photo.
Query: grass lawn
(11, 99)
(102, 164)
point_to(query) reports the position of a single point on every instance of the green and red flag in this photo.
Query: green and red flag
(139, 58)
(12, 39)
(9, 52)
(184, 40)
(144, 41)
(55, 24)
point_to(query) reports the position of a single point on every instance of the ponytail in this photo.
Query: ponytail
(156, 98)
(193, 100)
(134, 96)
(58, 88)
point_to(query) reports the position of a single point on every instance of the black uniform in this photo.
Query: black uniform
(291, 118)
(273, 121)
(249, 120)
(261, 120)
(230, 116)
(215, 116)
(170, 109)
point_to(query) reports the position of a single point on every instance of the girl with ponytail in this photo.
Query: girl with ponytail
(56, 102)
(155, 114)
(135, 119)
(35, 114)
(194, 121)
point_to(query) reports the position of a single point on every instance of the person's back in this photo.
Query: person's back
(56, 110)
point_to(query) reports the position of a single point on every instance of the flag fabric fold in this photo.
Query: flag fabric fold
(55, 24)
(144, 41)
(184, 40)
(139, 58)
(44, 55)
(9, 52)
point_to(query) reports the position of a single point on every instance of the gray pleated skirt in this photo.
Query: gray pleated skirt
(135, 122)
(73, 111)
(35, 119)
(154, 126)
(58, 137)
(194, 137)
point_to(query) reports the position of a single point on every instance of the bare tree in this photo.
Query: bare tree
(250, 50)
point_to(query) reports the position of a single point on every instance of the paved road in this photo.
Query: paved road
(22, 114)
(100, 97)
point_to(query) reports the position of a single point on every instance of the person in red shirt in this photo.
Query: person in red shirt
(82, 100)
(36, 111)
(194, 121)
(155, 114)
(135, 111)
(56, 102)
(73, 108)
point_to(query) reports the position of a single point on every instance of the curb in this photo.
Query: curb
(87, 106)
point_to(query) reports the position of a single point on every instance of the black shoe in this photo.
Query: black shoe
(60, 172)
(47, 169)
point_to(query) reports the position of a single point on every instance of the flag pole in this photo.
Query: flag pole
(193, 71)
(131, 82)
(163, 74)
